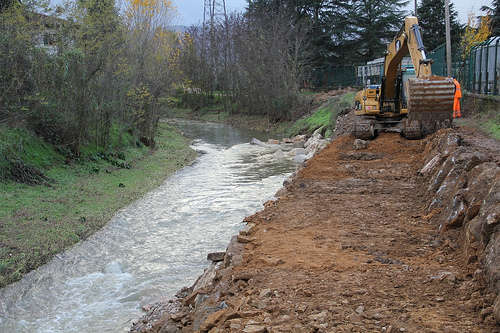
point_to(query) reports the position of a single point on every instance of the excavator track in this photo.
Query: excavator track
(430, 105)
(364, 128)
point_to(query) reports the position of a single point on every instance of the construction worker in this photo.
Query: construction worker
(456, 102)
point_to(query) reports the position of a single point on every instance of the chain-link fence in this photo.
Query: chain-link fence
(331, 77)
(479, 73)
(482, 70)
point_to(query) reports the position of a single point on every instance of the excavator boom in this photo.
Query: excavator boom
(413, 106)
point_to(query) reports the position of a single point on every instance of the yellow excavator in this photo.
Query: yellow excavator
(412, 102)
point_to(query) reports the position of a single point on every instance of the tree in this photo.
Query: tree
(432, 20)
(494, 12)
(342, 32)
(4, 4)
(473, 35)
(372, 25)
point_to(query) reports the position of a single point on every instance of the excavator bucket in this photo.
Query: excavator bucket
(430, 105)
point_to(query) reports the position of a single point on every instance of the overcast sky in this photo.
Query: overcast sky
(191, 11)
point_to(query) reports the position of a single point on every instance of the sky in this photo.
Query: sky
(191, 11)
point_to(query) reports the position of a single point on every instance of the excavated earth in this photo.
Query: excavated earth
(362, 239)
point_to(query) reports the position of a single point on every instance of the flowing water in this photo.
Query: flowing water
(153, 247)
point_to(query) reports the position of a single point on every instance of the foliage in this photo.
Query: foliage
(372, 25)
(341, 31)
(494, 12)
(74, 89)
(474, 35)
(431, 19)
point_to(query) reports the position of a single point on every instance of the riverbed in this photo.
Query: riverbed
(153, 247)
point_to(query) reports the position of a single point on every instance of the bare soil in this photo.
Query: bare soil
(346, 249)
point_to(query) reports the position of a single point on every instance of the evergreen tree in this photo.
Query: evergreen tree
(341, 32)
(372, 24)
(432, 20)
(494, 12)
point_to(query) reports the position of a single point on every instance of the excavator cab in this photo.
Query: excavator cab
(410, 100)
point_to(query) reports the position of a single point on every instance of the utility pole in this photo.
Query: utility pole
(416, 8)
(448, 35)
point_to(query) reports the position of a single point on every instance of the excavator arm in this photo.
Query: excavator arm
(414, 106)
(407, 41)
(430, 98)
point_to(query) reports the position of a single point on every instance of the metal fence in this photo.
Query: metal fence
(438, 56)
(331, 77)
(482, 70)
(479, 73)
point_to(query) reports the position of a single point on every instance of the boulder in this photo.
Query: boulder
(297, 151)
(299, 138)
(496, 310)
(257, 142)
(216, 256)
(360, 144)
(299, 159)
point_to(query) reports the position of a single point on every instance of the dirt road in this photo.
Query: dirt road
(345, 248)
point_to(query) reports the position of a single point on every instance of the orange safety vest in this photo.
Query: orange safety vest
(456, 102)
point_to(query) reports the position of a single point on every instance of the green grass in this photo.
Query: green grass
(37, 222)
(323, 117)
(492, 127)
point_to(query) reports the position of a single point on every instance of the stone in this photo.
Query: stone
(247, 229)
(299, 138)
(496, 309)
(492, 219)
(257, 142)
(216, 256)
(255, 329)
(169, 328)
(360, 309)
(245, 276)
(299, 159)
(457, 214)
(297, 151)
(448, 276)
(212, 320)
(273, 142)
(429, 167)
(360, 144)
(266, 293)
(178, 316)
(244, 240)
(320, 317)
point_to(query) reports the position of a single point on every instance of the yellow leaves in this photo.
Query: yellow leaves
(474, 35)
(148, 8)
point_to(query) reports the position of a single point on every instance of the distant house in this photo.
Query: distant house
(48, 31)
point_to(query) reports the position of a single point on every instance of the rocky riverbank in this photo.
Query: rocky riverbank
(389, 235)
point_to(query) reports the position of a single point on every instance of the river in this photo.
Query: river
(153, 247)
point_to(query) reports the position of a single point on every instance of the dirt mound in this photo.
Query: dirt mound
(347, 247)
